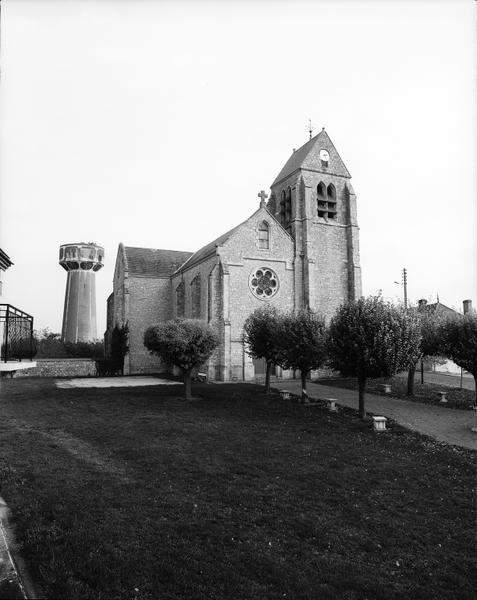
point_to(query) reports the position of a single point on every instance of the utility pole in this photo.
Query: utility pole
(404, 283)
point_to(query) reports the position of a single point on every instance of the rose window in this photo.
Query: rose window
(264, 283)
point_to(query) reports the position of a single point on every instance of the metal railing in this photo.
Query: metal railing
(17, 339)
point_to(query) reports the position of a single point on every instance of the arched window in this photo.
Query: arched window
(321, 204)
(288, 207)
(195, 297)
(326, 201)
(331, 190)
(180, 299)
(264, 236)
(282, 208)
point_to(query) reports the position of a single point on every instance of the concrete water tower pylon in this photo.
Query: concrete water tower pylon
(81, 261)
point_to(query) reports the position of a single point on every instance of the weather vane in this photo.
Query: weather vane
(310, 128)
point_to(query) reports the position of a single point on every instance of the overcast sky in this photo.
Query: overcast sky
(156, 123)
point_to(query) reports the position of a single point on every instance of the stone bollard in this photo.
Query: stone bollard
(386, 387)
(443, 397)
(379, 423)
(331, 404)
(285, 394)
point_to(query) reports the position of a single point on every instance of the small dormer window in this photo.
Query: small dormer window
(264, 236)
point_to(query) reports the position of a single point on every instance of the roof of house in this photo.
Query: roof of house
(150, 262)
(5, 261)
(308, 157)
(435, 307)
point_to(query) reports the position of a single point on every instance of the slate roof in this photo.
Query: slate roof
(149, 262)
(436, 307)
(208, 249)
(5, 261)
(308, 157)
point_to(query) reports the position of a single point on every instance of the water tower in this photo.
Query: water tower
(79, 316)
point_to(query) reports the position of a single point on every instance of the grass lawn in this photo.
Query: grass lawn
(133, 493)
(423, 392)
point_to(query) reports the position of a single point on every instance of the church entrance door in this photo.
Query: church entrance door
(260, 366)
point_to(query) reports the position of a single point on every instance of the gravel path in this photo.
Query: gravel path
(444, 424)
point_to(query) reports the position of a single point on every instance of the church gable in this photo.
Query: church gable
(318, 154)
(206, 251)
(120, 266)
(260, 236)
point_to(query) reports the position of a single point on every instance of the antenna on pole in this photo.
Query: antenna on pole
(310, 128)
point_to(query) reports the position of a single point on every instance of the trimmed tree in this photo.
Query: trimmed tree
(431, 343)
(371, 338)
(184, 343)
(301, 343)
(459, 341)
(259, 335)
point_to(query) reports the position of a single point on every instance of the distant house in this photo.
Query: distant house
(447, 366)
(5, 263)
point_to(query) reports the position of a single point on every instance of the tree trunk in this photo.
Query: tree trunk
(361, 389)
(304, 375)
(187, 384)
(410, 380)
(475, 381)
(267, 377)
(422, 371)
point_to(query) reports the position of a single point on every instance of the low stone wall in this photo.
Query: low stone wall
(61, 367)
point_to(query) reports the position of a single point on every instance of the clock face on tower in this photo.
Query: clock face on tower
(324, 155)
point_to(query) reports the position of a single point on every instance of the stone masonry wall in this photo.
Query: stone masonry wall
(149, 304)
(226, 297)
(210, 309)
(61, 367)
(242, 255)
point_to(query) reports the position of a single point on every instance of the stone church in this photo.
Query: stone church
(298, 250)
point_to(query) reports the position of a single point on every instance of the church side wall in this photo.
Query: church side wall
(150, 304)
(210, 309)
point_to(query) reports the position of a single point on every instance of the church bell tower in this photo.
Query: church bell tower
(314, 201)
